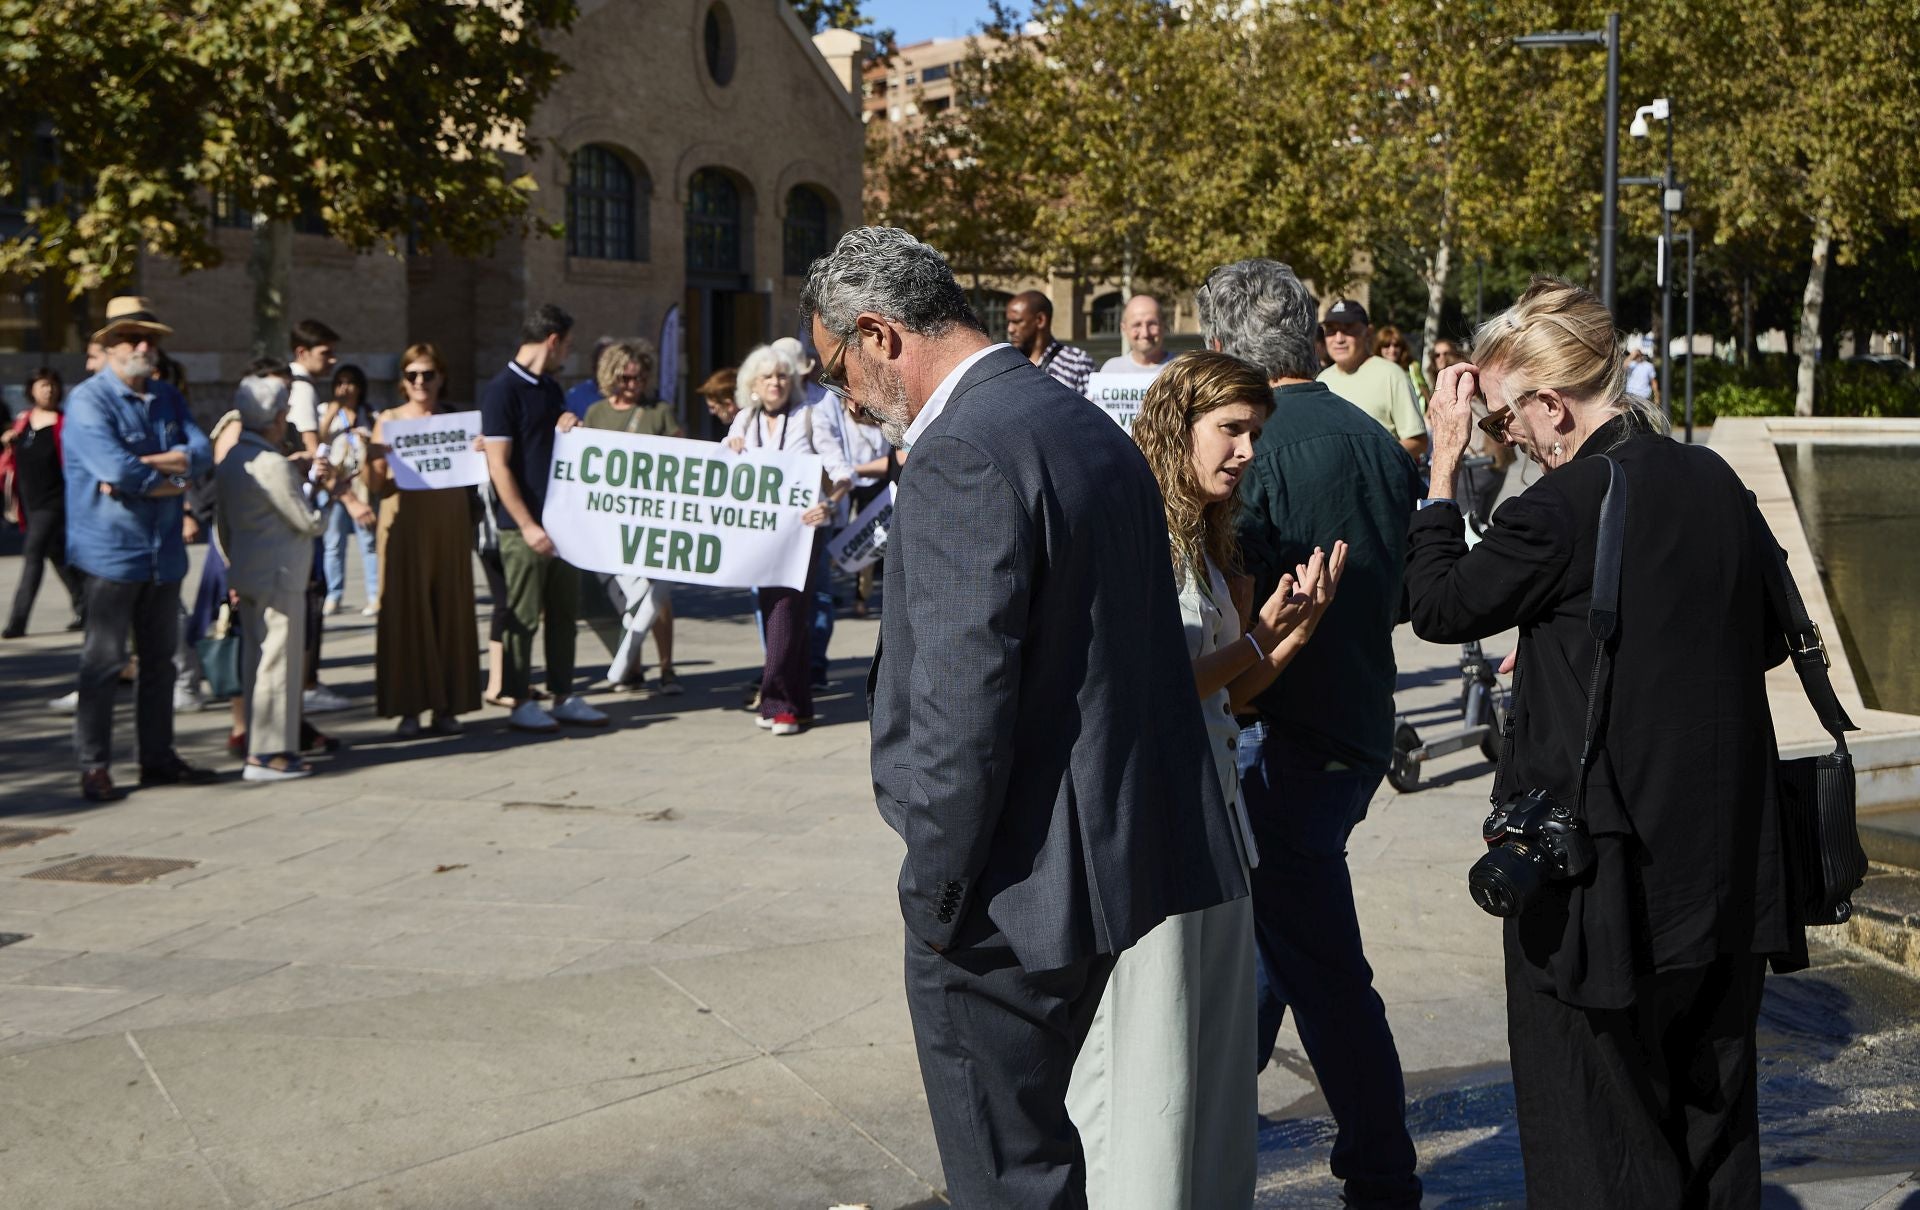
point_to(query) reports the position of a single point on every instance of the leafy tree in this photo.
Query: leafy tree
(388, 119)
(1799, 125)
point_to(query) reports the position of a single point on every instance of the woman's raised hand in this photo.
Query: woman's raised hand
(1450, 409)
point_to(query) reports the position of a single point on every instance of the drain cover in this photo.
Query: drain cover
(13, 838)
(7, 939)
(124, 870)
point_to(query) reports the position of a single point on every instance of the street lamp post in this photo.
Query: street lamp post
(1610, 187)
(1688, 236)
(1672, 197)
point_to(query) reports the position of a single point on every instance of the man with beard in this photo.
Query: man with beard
(130, 447)
(1036, 738)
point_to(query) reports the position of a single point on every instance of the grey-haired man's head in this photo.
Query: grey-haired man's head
(1259, 311)
(895, 281)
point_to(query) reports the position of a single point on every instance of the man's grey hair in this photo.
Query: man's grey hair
(888, 271)
(1259, 311)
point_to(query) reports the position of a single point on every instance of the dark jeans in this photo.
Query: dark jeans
(151, 614)
(997, 1044)
(820, 584)
(1311, 957)
(1652, 1105)
(46, 542)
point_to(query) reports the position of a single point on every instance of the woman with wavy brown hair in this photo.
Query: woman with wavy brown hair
(1163, 1090)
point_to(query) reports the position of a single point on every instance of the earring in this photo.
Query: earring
(1558, 449)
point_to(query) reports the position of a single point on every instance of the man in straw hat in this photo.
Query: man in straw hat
(130, 448)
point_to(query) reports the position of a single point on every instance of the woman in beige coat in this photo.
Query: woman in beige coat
(267, 527)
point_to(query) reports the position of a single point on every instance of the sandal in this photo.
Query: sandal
(282, 766)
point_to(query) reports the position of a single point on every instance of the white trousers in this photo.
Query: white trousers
(1163, 1091)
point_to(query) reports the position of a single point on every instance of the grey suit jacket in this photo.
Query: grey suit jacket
(1037, 738)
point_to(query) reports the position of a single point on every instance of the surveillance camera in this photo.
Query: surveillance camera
(1639, 128)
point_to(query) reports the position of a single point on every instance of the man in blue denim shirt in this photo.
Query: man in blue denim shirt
(130, 448)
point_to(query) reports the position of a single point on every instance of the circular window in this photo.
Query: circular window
(720, 46)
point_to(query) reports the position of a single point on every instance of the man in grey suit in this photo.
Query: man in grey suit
(1037, 741)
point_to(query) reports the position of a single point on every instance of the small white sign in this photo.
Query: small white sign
(1119, 395)
(434, 452)
(864, 543)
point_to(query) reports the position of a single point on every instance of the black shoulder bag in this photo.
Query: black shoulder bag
(1825, 863)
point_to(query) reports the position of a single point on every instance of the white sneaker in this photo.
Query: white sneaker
(785, 728)
(67, 703)
(530, 716)
(186, 701)
(331, 607)
(371, 611)
(322, 700)
(575, 710)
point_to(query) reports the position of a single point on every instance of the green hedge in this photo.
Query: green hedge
(1768, 387)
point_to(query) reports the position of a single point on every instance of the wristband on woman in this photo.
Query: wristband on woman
(1255, 644)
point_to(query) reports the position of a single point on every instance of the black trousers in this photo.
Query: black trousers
(46, 542)
(1652, 1105)
(997, 1045)
(150, 613)
(1308, 931)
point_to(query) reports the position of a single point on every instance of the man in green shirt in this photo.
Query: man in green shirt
(1371, 383)
(1321, 472)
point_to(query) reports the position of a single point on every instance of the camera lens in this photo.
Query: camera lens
(1506, 879)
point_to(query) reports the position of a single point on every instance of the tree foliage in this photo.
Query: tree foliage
(384, 117)
(1170, 138)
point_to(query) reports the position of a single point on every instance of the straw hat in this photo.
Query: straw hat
(131, 311)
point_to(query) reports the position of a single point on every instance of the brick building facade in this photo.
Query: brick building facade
(700, 153)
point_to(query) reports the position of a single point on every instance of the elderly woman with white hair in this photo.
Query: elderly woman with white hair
(774, 417)
(267, 526)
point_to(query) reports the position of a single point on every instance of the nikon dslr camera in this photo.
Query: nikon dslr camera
(1531, 841)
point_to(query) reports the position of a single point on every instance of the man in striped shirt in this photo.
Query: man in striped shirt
(1030, 330)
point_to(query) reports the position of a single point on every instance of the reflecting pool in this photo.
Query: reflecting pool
(1861, 505)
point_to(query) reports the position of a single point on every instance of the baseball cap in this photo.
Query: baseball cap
(1345, 311)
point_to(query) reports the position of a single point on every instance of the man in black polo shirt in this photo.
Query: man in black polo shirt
(520, 410)
(1323, 470)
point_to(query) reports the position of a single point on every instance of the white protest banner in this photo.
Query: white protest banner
(434, 451)
(1119, 395)
(671, 509)
(864, 543)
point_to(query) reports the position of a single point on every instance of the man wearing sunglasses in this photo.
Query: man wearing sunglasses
(1368, 381)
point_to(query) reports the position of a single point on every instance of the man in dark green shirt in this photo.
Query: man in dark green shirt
(1322, 471)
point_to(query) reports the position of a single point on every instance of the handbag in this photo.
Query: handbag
(1818, 829)
(220, 656)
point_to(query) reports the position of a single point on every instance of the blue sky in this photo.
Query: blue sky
(917, 20)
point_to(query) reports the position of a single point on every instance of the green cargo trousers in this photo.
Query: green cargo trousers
(537, 583)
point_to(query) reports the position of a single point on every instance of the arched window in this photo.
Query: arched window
(810, 228)
(606, 207)
(713, 223)
(1106, 315)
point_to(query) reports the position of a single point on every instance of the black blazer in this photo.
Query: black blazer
(1680, 800)
(1037, 740)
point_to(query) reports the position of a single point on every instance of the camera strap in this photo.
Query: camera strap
(1603, 612)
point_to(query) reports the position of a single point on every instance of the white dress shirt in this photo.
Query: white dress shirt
(937, 402)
